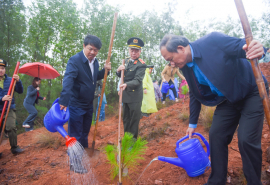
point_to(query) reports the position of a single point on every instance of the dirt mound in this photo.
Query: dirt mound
(48, 164)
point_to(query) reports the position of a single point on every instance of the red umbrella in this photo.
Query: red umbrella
(37, 69)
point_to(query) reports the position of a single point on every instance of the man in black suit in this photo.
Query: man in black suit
(79, 84)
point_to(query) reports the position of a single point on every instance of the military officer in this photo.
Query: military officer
(134, 70)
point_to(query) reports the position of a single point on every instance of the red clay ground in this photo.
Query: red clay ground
(39, 165)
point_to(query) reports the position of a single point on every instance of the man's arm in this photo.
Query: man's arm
(101, 73)
(194, 109)
(19, 87)
(68, 82)
(31, 91)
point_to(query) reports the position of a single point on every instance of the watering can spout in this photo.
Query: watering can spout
(171, 160)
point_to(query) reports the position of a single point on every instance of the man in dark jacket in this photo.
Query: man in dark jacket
(218, 74)
(134, 71)
(11, 119)
(79, 84)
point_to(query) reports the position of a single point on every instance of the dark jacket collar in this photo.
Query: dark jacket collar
(196, 53)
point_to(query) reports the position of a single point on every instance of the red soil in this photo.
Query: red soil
(39, 165)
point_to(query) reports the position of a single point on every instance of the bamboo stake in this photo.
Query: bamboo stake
(104, 82)
(9, 91)
(254, 62)
(119, 124)
(4, 125)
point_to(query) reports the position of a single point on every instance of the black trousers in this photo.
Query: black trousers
(131, 117)
(173, 89)
(248, 115)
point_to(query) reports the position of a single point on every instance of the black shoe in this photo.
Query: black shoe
(16, 150)
(80, 169)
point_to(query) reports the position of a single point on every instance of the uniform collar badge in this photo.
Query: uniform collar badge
(135, 62)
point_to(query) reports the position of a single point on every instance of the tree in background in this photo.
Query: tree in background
(51, 31)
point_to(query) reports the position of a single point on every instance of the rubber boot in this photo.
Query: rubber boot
(12, 136)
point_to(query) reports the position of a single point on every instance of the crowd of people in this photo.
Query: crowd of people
(212, 70)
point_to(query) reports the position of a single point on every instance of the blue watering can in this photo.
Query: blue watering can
(55, 119)
(191, 156)
(166, 87)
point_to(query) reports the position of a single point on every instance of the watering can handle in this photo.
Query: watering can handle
(202, 138)
(64, 113)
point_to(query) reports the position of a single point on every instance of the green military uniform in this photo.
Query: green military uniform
(133, 94)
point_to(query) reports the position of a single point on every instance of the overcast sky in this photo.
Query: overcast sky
(197, 9)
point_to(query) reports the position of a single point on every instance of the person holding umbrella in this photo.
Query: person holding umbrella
(11, 119)
(30, 100)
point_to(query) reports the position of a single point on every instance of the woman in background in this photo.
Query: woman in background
(31, 98)
(168, 76)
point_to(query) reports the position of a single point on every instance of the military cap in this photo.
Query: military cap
(3, 62)
(135, 42)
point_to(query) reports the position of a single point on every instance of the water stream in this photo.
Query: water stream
(155, 159)
(80, 169)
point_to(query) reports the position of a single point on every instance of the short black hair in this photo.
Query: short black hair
(171, 42)
(93, 41)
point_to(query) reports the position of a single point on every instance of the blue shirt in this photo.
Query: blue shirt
(202, 79)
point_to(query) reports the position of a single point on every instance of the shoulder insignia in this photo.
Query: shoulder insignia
(141, 61)
(135, 62)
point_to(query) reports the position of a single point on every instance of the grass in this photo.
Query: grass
(184, 116)
(206, 116)
(160, 105)
(158, 117)
(49, 140)
(157, 132)
(168, 114)
(242, 178)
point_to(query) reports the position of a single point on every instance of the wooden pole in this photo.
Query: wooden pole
(254, 62)
(119, 124)
(104, 82)
(4, 125)
(9, 91)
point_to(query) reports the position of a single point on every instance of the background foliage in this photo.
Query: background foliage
(51, 31)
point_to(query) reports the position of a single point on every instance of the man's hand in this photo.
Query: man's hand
(44, 98)
(121, 67)
(254, 50)
(108, 66)
(145, 91)
(37, 88)
(190, 131)
(63, 107)
(123, 86)
(16, 77)
(7, 98)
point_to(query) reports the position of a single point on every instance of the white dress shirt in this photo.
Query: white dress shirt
(91, 65)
